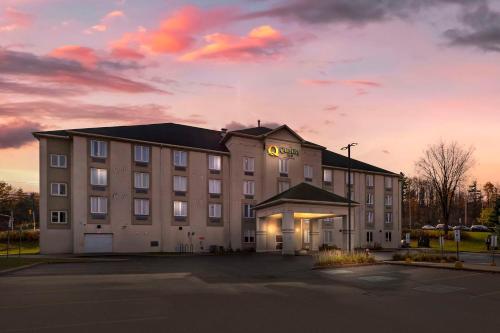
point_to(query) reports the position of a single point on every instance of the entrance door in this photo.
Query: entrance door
(306, 233)
(98, 243)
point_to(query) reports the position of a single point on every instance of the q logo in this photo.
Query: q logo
(273, 151)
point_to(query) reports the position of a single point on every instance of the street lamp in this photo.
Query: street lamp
(349, 184)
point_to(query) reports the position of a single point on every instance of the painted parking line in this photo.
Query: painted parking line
(337, 271)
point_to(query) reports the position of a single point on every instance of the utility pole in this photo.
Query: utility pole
(349, 184)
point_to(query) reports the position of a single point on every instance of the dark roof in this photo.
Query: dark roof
(255, 131)
(167, 133)
(340, 161)
(306, 192)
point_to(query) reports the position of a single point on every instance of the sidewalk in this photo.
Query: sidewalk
(465, 266)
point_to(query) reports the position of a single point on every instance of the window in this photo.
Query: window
(327, 175)
(388, 182)
(248, 164)
(369, 217)
(98, 177)
(388, 200)
(58, 161)
(214, 162)
(180, 208)
(249, 187)
(347, 182)
(369, 199)
(214, 186)
(249, 236)
(370, 181)
(98, 205)
(180, 184)
(98, 148)
(308, 172)
(352, 195)
(141, 180)
(248, 211)
(180, 158)
(141, 207)
(215, 210)
(369, 236)
(59, 216)
(283, 166)
(58, 189)
(283, 186)
(388, 217)
(327, 236)
(388, 236)
(141, 154)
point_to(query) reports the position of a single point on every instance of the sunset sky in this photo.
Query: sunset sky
(392, 75)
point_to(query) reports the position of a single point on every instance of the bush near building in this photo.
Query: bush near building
(423, 257)
(337, 257)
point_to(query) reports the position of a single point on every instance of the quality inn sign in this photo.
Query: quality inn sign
(274, 150)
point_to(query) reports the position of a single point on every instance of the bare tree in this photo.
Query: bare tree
(445, 166)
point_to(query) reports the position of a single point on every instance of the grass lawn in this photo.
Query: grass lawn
(475, 243)
(26, 248)
(11, 262)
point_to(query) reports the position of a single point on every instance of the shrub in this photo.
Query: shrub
(422, 257)
(337, 257)
(27, 236)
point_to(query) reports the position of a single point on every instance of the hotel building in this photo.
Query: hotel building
(176, 188)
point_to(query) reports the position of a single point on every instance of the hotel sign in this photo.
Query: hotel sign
(274, 150)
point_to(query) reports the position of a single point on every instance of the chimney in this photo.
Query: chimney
(258, 123)
(223, 132)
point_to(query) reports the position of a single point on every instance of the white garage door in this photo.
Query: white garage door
(98, 243)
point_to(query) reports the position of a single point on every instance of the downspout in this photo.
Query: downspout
(160, 200)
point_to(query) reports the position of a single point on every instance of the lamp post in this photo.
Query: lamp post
(349, 184)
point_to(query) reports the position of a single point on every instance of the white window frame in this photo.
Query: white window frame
(388, 183)
(308, 172)
(280, 186)
(101, 204)
(353, 195)
(61, 161)
(370, 180)
(215, 210)
(388, 236)
(215, 186)
(388, 200)
(370, 217)
(328, 239)
(101, 148)
(386, 219)
(181, 210)
(370, 199)
(249, 236)
(248, 208)
(249, 187)
(174, 184)
(141, 207)
(329, 172)
(283, 166)
(141, 154)
(141, 180)
(59, 214)
(180, 158)
(58, 187)
(369, 236)
(215, 162)
(249, 164)
(95, 176)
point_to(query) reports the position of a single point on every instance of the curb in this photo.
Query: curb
(415, 264)
(347, 265)
(19, 268)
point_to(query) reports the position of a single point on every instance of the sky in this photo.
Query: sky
(395, 76)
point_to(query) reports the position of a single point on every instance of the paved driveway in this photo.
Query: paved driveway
(245, 293)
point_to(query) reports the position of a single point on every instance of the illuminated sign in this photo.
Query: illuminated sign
(274, 150)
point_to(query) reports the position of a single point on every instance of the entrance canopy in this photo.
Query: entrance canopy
(291, 210)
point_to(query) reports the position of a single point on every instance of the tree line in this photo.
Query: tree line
(19, 203)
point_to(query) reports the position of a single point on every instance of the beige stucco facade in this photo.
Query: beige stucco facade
(161, 231)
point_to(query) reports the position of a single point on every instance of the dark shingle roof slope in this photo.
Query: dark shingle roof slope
(340, 161)
(305, 192)
(167, 133)
(255, 131)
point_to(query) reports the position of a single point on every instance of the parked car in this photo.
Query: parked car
(428, 227)
(479, 227)
(461, 227)
(440, 226)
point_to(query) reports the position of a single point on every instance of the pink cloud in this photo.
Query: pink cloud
(84, 55)
(16, 133)
(13, 19)
(262, 42)
(176, 33)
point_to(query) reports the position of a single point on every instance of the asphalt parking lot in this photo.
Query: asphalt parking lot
(245, 293)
